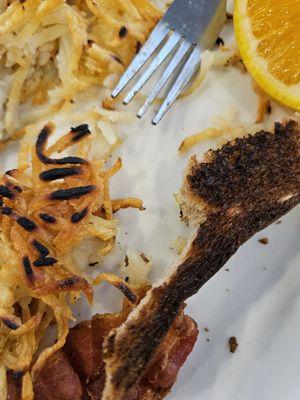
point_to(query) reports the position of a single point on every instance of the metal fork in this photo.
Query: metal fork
(187, 29)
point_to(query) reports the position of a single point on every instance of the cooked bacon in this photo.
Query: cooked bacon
(172, 353)
(162, 372)
(84, 350)
(58, 380)
(77, 371)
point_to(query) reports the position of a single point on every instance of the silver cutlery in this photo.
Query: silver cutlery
(187, 29)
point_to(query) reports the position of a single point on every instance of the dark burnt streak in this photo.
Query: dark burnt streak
(18, 188)
(123, 32)
(116, 58)
(213, 182)
(45, 262)
(17, 374)
(40, 148)
(92, 264)
(26, 223)
(43, 251)
(27, 269)
(72, 193)
(59, 173)
(127, 292)
(11, 172)
(10, 324)
(68, 282)
(47, 218)
(6, 210)
(6, 192)
(80, 132)
(78, 216)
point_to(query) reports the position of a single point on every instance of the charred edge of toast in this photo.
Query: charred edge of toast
(242, 170)
(227, 226)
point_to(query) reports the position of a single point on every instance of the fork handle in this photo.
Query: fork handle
(196, 16)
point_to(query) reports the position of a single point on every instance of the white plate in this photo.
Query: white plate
(258, 300)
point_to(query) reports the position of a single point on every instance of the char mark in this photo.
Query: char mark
(68, 283)
(43, 251)
(123, 32)
(26, 223)
(72, 193)
(127, 292)
(78, 216)
(6, 192)
(18, 374)
(59, 173)
(45, 262)
(40, 148)
(6, 210)
(47, 218)
(10, 324)
(80, 132)
(28, 269)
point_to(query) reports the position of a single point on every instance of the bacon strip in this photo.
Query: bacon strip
(77, 371)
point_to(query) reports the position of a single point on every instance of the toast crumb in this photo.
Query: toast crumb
(264, 241)
(233, 344)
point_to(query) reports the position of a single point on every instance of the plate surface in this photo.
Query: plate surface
(257, 300)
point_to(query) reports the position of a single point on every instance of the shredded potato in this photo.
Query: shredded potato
(50, 204)
(193, 140)
(136, 267)
(264, 103)
(52, 49)
(223, 130)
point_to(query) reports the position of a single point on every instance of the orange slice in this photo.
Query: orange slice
(268, 35)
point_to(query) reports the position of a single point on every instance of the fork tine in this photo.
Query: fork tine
(173, 64)
(155, 39)
(186, 74)
(168, 47)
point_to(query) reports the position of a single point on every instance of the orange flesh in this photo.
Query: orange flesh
(276, 25)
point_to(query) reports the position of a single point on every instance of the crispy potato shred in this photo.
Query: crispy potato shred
(50, 50)
(224, 129)
(48, 205)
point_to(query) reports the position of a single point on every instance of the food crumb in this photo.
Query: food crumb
(264, 241)
(206, 330)
(126, 260)
(144, 258)
(227, 269)
(92, 264)
(108, 104)
(278, 222)
(220, 41)
(207, 340)
(233, 344)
